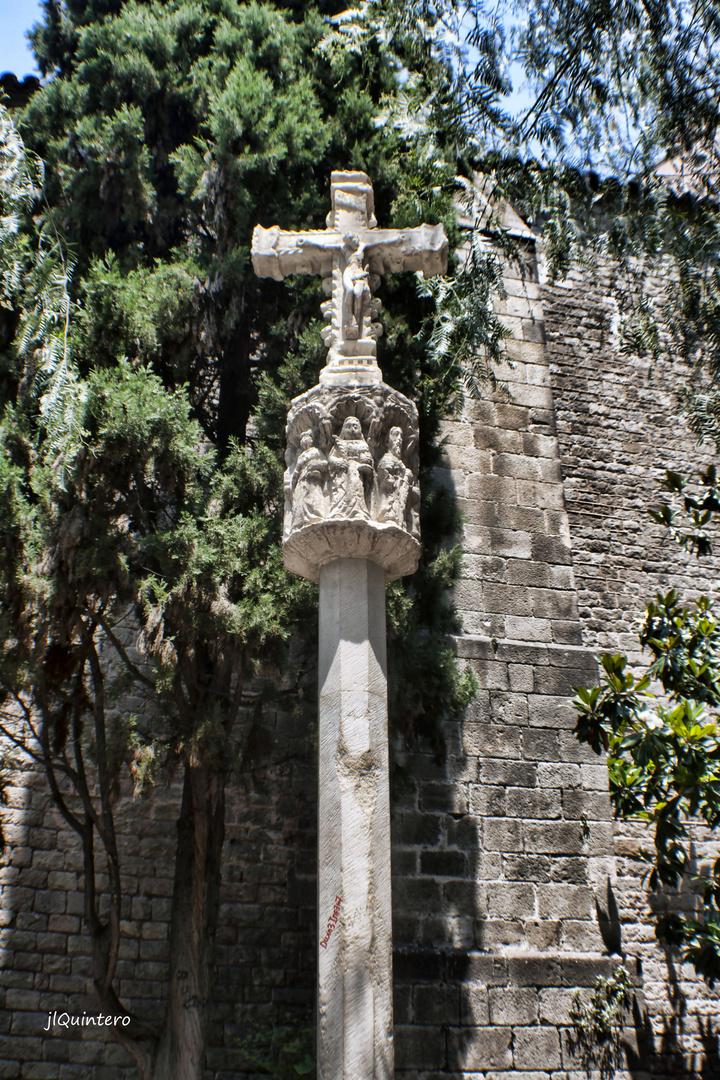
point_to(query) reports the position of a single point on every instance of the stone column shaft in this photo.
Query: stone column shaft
(355, 1022)
(352, 522)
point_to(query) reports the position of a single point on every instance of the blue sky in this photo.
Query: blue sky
(16, 17)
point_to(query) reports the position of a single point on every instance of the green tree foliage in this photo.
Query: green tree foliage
(146, 374)
(614, 155)
(597, 1025)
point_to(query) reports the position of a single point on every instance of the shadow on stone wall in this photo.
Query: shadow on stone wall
(660, 1055)
(436, 918)
(266, 932)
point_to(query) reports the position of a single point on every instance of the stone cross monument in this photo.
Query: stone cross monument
(352, 523)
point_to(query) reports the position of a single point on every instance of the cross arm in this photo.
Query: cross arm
(391, 250)
(277, 254)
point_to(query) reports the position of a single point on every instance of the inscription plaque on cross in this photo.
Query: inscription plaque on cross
(352, 523)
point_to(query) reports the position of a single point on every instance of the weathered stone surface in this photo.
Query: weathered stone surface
(351, 482)
(351, 487)
(354, 897)
(350, 255)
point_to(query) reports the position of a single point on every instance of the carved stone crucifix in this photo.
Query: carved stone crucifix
(350, 254)
(352, 523)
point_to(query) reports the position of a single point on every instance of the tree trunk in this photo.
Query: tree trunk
(180, 1053)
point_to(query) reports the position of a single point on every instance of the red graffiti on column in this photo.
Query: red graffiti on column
(332, 922)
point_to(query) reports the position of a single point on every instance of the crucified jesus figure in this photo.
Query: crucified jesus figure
(356, 290)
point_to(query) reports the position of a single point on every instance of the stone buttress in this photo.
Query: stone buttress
(503, 856)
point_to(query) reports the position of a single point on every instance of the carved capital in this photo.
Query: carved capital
(351, 483)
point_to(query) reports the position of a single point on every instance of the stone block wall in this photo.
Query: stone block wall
(512, 887)
(618, 431)
(509, 843)
(266, 937)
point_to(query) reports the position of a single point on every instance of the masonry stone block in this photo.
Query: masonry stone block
(553, 603)
(521, 678)
(594, 777)
(466, 459)
(517, 466)
(581, 971)
(569, 632)
(601, 838)
(572, 750)
(570, 869)
(526, 867)
(539, 445)
(485, 568)
(501, 441)
(498, 741)
(504, 543)
(538, 971)
(559, 680)
(507, 599)
(513, 1006)
(553, 838)
(499, 935)
(565, 901)
(487, 801)
(533, 330)
(508, 773)
(443, 863)
(528, 573)
(510, 900)
(509, 708)
(503, 834)
(524, 1075)
(537, 494)
(551, 550)
(531, 803)
(536, 1046)
(420, 895)
(540, 744)
(436, 1005)
(543, 935)
(493, 489)
(480, 1048)
(550, 710)
(491, 674)
(512, 417)
(581, 936)
(524, 628)
(474, 1008)
(554, 1005)
(594, 805)
(419, 1046)
(413, 828)
(21, 1047)
(558, 774)
(455, 433)
(533, 396)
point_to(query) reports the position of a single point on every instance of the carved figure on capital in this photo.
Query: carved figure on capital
(351, 470)
(395, 481)
(309, 483)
